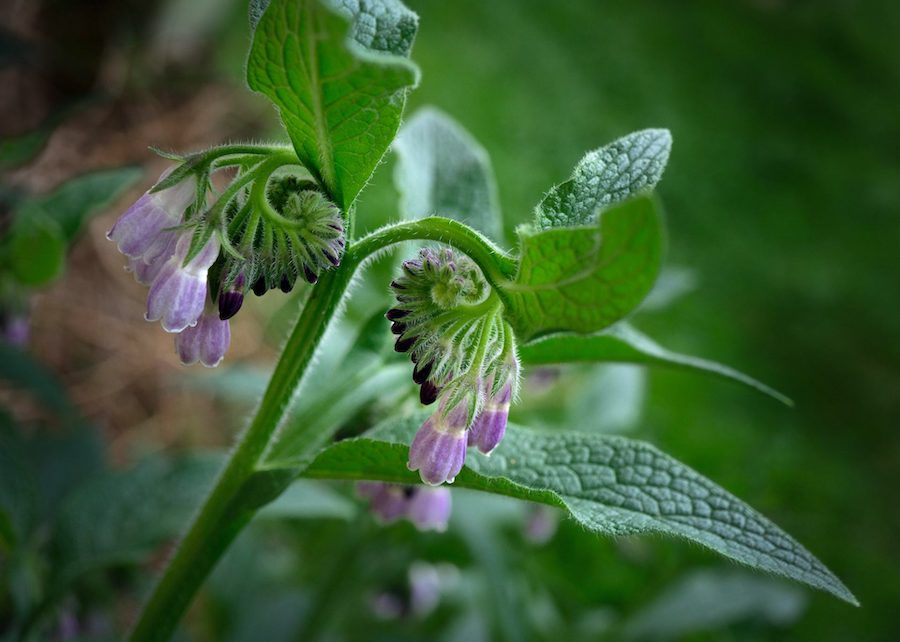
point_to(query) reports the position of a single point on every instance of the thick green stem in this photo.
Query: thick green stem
(224, 514)
(220, 520)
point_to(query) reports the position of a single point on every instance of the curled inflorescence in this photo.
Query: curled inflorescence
(451, 324)
(200, 258)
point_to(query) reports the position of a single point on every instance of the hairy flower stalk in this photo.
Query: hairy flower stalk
(451, 324)
(199, 260)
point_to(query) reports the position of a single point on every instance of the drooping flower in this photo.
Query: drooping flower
(206, 342)
(490, 425)
(428, 508)
(439, 448)
(136, 231)
(178, 293)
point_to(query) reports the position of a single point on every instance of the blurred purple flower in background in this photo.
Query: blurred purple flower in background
(427, 508)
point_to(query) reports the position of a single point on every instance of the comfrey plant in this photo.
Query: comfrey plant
(472, 316)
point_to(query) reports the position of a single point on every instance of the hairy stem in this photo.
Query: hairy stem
(220, 520)
(225, 513)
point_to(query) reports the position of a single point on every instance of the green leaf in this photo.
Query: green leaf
(309, 499)
(18, 150)
(22, 370)
(708, 600)
(76, 200)
(623, 344)
(584, 279)
(442, 170)
(340, 97)
(609, 485)
(322, 414)
(621, 170)
(123, 516)
(37, 251)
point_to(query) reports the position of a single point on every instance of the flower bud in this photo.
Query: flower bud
(232, 298)
(490, 425)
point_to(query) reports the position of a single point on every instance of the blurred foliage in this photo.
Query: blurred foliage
(782, 197)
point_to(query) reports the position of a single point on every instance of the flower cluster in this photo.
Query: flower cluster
(451, 324)
(427, 508)
(199, 260)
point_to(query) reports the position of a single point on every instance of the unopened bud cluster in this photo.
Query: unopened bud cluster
(448, 321)
(200, 257)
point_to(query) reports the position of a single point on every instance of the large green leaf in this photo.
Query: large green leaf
(584, 279)
(623, 169)
(340, 89)
(123, 516)
(442, 170)
(610, 485)
(76, 200)
(623, 344)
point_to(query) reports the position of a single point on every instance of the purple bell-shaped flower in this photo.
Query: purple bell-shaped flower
(489, 427)
(206, 342)
(438, 450)
(139, 228)
(178, 294)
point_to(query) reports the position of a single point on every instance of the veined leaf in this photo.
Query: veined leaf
(442, 170)
(584, 279)
(619, 171)
(623, 344)
(340, 90)
(610, 485)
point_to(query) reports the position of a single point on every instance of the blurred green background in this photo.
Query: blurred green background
(782, 198)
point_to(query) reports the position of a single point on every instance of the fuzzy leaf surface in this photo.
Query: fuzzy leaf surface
(610, 485)
(584, 279)
(443, 170)
(624, 344)
(339, 88)
(616, 172)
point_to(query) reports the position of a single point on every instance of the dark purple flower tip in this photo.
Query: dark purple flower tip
(286, 284)
(403, 345)
(428, 393)
(259, 286)
(422, 372)
(398, 328)
(229, 303)
(309, 275)
(397, 285)
(331, 257)
(337, 227)
(395, 314)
